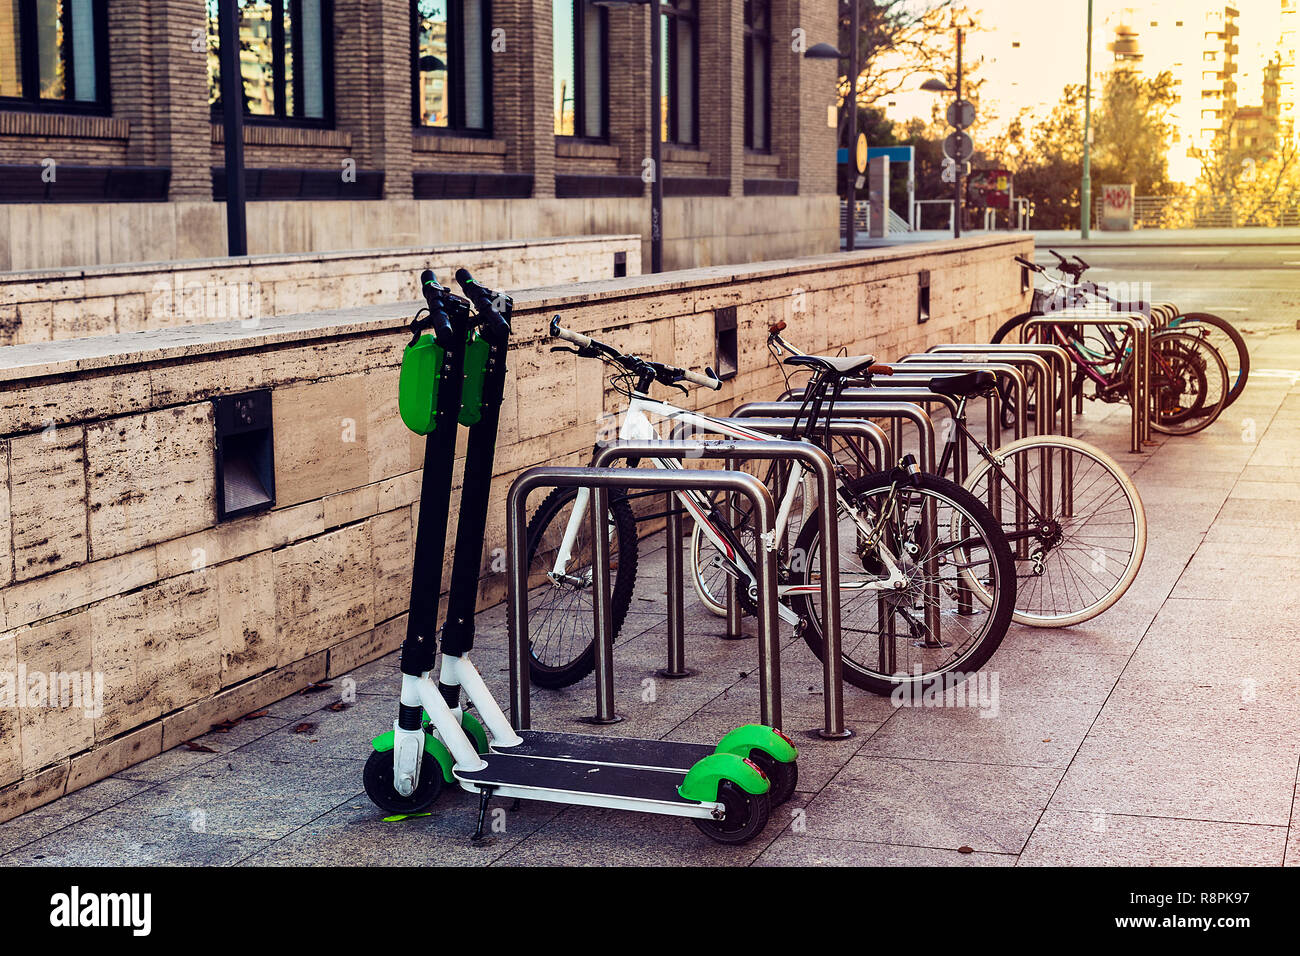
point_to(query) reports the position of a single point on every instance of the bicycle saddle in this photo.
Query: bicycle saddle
(839, 364)
(964, 385)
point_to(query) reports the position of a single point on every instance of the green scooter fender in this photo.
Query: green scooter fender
(702, 780)
(746, 739)
(475, 731)
(432, 746)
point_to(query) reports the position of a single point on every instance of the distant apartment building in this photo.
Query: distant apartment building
(381, 123)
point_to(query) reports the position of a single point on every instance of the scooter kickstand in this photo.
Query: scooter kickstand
(484, 796)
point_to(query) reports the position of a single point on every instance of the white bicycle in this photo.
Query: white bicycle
(910, 547)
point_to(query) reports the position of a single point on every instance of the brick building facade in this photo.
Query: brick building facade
(147, 133)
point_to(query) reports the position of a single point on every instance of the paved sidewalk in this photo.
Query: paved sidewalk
(1165, 731)
(1138, 238)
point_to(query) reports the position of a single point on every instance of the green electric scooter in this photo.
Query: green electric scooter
(453, 371)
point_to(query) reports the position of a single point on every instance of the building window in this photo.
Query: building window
(758, 74)
(450, 47)
(581, 63)
(53, 55)
(681, 70)
(285, 53)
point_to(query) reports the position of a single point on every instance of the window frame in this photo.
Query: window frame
(753, 36)
(29, 68)
(278, 85)
(455, 72)
(580, 132)
(672, 15)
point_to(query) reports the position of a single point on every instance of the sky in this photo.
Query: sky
(1032, 48)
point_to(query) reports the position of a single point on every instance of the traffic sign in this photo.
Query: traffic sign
(958, 146)
(862, 152)
(961, 114)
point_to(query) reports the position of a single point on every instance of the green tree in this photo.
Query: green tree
(1050, 170)
(1131, 133)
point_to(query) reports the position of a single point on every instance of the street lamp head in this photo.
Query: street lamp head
(936, 86)
(823, 51)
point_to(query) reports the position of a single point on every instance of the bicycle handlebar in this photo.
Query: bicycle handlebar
(1031, 266)
(664, 374)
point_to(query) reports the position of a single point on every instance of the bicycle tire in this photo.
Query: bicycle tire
(1205, 412)
(707, 584)
(579, 659)
(1025, 596)
(1240, 349)
(999, 613)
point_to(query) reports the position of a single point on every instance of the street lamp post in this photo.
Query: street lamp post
(824, 51)
(957, 167)
(1085, 188)
(851, 166)
(656, 126)
(656, 137)
(232, 110)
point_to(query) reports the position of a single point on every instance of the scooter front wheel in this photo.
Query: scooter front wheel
(746, 815)
(378, 779)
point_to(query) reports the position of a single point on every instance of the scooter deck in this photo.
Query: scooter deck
(581, 782)
(608, 751)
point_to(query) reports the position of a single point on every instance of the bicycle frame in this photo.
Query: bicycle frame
(637, 425)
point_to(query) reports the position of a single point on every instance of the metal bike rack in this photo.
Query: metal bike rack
(927, 462)
(918, 396)
(1059, 357)
(819, 463)
(856, 410)
(861, 431)
(1139, 431)
(599, 481)
(1043, 369)
(1051, 365)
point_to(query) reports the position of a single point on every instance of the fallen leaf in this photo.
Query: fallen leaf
(304, 728)
(965, 849)
(1047, 740)
(256, 714)
(339, 705)
(199, 748)
(315, 688)
(226, 725)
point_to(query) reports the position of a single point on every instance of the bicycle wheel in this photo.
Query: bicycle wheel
(1075, 554)
(1188, 381)
(1226, 340)
(711, 581)
(928, 633)
(561, 629)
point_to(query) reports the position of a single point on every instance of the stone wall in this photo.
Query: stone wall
(698, 230)
(111, 557)
(51, 305)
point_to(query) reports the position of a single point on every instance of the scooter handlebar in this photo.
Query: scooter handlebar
(439, 321)
(495, 326)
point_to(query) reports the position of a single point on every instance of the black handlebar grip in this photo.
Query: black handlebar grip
(1026, 263)
(1079, 259)
(495, 326)
(439, 321)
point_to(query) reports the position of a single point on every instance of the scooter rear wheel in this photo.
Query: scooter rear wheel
(378, 779)
(784, 776)
(746, 815)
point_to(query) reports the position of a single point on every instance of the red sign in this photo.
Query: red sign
(989, 188)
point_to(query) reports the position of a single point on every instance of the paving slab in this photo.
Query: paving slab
(1073, 838)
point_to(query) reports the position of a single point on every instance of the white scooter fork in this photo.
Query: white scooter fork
(460, 672)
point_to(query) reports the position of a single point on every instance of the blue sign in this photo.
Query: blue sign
(896, 154)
